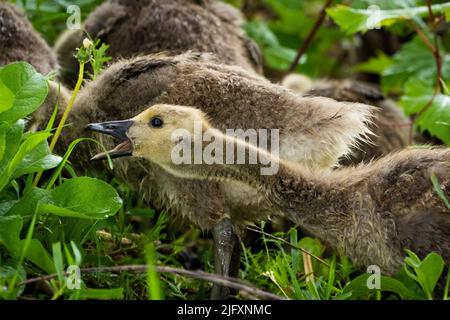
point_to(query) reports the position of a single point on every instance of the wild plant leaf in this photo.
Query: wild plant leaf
(40, 159)
(402, 68)
(6, 206)
(280, 58)
(361, 20)
(261, 33)
(439, 191)
(10, 227)
(28, 87)
(427, 271)
(26, 206)
(358, 287)
(6, 97)
(3, 129)
(13, 135)
(375, 65)
(24, 150)
(58, 260)
(433, 110)
(83, 197)
(37, 254)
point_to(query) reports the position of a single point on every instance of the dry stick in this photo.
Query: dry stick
(310, 37)
(222, 280)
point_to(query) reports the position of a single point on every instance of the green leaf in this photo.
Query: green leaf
(375, 65)
(439, 191)
(261, 33)
(6, 97)
(25, 149)
(83, 197)
(58, 260)
(358, 287)
(37, 254)
(39, 159)
(3, 130)
(13, 136)
(10, 227)
(428, 271)
(360, 20)
(28, 87)
(433, 110)
(26, 206)
(447, 14)
(280, 58)
(402, 69)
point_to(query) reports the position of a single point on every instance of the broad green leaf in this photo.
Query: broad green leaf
(5, 206)
(26, 206)
(25, 149)
(436, 118)
(3, 129)
(447, 14)
(375, 65)
(40, 159)
(28, 87)
(360, 20)
(13, 136)
(10, 227)
(6, 97)
(261, 33)
(83, 197)
(280, 58)
(427, 272)
(414, 60)
(433, 110)
(358, 287)
(37, 254)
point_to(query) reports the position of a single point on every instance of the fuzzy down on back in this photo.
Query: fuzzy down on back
(233, 99)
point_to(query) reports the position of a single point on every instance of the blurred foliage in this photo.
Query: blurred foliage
(49, 16)
(411, 73)
(32, 244)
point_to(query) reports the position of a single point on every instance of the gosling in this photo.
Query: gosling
(20, 42)
(313, 131)
(138, 27)
(371, 212)
(391, 127)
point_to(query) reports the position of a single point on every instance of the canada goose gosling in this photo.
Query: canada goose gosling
(371, 212)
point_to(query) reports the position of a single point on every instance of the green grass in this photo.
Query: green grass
(139, 235)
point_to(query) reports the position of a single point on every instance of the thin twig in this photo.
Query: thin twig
(304, 47)
(221, 280)
(430, 10)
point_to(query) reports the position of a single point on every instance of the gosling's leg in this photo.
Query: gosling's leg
(226, 256)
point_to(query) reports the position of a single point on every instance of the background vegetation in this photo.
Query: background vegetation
(50, 223)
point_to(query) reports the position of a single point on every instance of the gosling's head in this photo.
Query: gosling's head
(154, 133)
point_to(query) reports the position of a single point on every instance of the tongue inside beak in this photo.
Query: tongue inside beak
(117, 129)
(124, 149)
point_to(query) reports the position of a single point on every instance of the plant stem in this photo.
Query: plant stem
(68, 109)
(304, 47)
(64, 117)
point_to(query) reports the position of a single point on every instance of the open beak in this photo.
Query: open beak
(117, 129)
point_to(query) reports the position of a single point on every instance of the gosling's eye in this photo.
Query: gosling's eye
(156, 122)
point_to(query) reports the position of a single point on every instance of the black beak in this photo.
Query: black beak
(117, 129)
